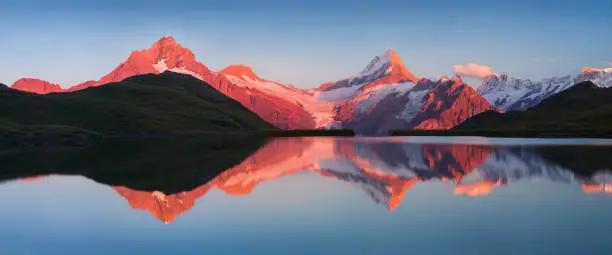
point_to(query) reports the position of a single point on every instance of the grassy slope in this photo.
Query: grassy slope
(164, 103)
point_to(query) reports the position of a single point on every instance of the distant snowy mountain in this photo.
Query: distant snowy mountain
(510, 94)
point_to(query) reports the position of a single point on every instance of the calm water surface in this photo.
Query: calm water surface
(336, 196)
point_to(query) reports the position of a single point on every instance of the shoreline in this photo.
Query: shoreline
(75, 137)
(578, 134)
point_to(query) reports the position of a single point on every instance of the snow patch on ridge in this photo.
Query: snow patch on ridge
(161, 67)
(508, 93)
(415, 104)
(337, 94)
(375, 95)
(378, 63)
(322, 112)
(184, 70)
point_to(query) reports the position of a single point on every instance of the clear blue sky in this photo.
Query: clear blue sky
(306, 42)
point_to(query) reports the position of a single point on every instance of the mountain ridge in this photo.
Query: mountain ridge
(383, 92)
(510, 94)
(384, 96)
(589, 112)
(167, 54)
(166, 103)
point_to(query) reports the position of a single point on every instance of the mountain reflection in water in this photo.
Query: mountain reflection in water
(386, 168)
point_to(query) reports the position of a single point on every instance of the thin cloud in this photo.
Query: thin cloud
(608, 63)
(473, 70)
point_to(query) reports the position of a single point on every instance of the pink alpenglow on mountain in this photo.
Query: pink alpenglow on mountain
(449, 104)
(167, 55)
(36, 86)
(387, 96)
(383, 96)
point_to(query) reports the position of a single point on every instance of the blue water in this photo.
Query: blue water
(529, 211)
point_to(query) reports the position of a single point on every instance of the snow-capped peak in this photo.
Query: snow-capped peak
(378, 63)
(389, 63)
(391, 55)
(164, 42)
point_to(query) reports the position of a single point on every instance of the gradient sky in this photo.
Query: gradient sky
(309, 42)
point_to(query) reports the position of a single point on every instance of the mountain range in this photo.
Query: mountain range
(166, 103)
(511, 94)
(385, 91)
(586, 111)
(383, 96)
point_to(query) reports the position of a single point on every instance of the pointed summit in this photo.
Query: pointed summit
(385, 69)
(392, 56)
(398, 68)
(394, 67)
(391, 69)
(166, 41)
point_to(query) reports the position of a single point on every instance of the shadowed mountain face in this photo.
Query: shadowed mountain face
(166, 178)
(162, 103)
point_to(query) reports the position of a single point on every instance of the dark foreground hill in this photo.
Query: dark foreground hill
(165, 103)
(584, 110)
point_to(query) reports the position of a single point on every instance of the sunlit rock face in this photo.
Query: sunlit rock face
(36, 86)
